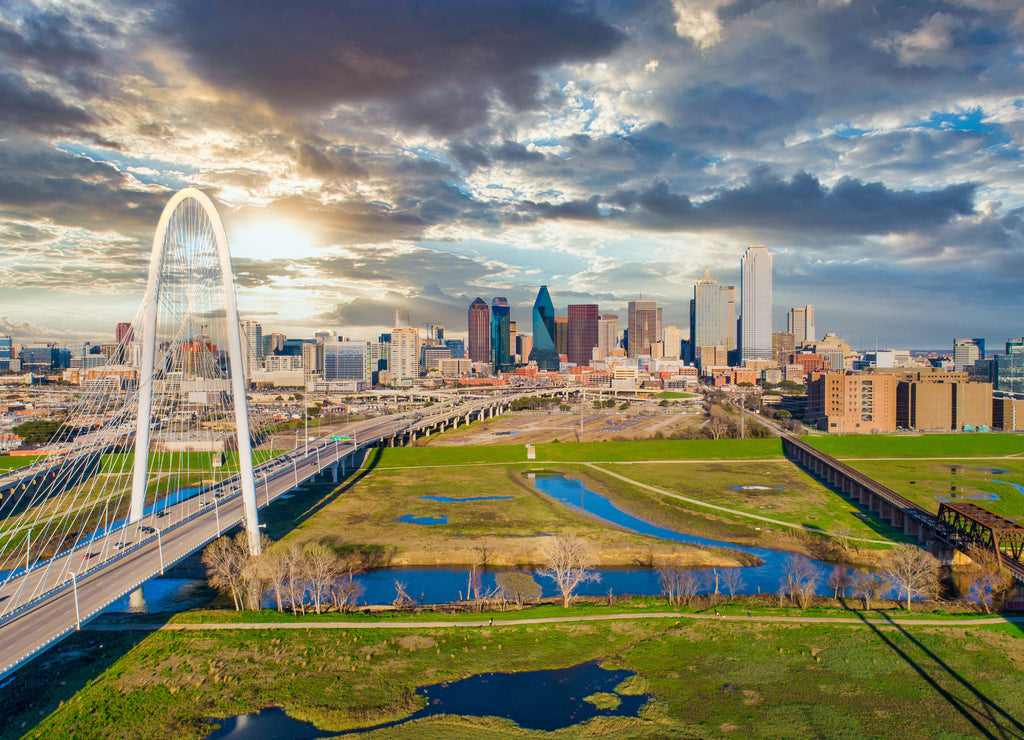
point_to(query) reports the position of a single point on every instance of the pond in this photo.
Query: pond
(764, 578)
(543, 700)
(438, 585)
(427, 521)
(450, 500)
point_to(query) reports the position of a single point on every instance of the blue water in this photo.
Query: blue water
(271, 723)
(428, 521)
(537, 700)
(450, 500)
(1018, 486)
(764, 578)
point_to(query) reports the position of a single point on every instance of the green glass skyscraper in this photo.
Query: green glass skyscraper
(501, 351)
(544, 352)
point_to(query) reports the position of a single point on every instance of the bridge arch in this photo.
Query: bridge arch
(189, 272)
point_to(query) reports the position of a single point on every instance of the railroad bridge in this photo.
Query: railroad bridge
(958, 527)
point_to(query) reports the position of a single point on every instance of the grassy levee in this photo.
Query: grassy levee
(949, 446)
(706, 678)
(932, 468)
(629, 451)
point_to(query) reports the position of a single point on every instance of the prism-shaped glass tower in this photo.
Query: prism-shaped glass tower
(544, 352)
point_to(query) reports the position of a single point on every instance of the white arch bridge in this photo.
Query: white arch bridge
(157, 458)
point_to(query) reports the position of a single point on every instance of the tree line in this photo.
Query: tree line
(318, 577)
(314, 574)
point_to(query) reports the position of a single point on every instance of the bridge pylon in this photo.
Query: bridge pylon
(189, 311)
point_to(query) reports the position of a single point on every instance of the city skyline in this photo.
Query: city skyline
(610, 151)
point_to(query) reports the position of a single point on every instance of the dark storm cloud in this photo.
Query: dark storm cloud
(329, 162)
(40, 183)
(49, 42)
(767, 202)
(721, 115)
(434, 62)
(25, 107)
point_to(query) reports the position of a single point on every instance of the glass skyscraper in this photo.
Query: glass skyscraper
(501, 351)
(544, 352)
(756, 304)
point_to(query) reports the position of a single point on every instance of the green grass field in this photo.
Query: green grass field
(952, 446)
(954, 467)
(700, 449)
(706, 679)
(786, 493)
(510, 529)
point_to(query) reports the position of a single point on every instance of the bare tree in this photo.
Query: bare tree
(254, 584)
(669, 580)
(518, 586)
(344, 590)
(800, 577)
(912, 571)
(295, 579)
(569, 558)
(988, 578)
(401, 597)
(718, 424)
(840, 534)
(224, 559)
(732, 579)
(689, 585)
(867, 586)
(839, 581)
(679, 585)
(321, 569)
(273, 565)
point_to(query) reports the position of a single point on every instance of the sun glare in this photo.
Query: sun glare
(267, 240)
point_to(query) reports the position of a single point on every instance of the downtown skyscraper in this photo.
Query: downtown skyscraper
(544, 352)
(479, 334)
(644, 327)
(582, 333)
(501, 335)
(756, 304)
(714, 314)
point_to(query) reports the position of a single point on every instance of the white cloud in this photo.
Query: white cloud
(698, 21)
(929, 45)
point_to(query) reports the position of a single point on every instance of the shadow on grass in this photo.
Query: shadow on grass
(988, 718)
(41, 686)
(283, 519)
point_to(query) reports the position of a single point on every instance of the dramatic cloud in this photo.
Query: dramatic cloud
(436, 63)
(373, 155)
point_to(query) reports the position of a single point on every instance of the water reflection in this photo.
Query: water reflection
(544, 700)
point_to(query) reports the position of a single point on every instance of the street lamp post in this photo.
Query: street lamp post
(216, 512)
(160, 547)
(78, 612)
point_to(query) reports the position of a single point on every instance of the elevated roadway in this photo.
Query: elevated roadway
(54, 598)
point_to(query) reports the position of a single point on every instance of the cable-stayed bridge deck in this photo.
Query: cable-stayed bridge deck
(41, 605)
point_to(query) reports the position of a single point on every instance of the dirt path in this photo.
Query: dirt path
(501, 622)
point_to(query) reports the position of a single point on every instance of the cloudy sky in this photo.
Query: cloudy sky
(374, 154)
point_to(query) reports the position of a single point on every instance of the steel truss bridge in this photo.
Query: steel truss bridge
(963, 527)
